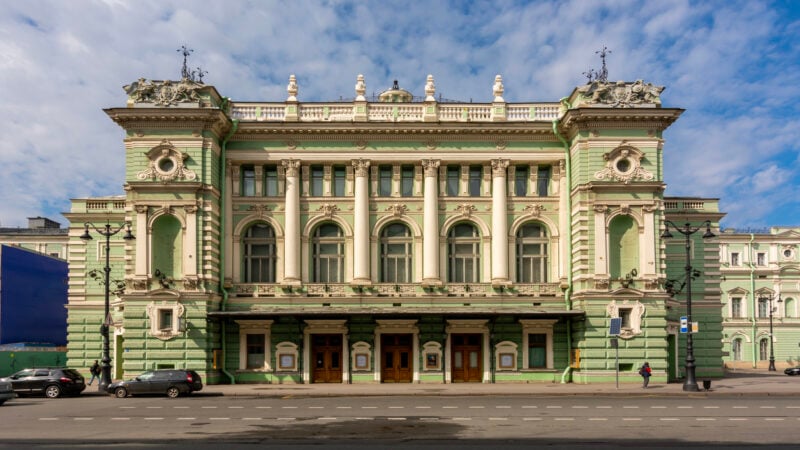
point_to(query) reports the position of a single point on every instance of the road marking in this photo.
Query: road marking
(180, 407)
(120, 418)
(153, 418)
(629, 419)
(603, 407)
(476, 407)
(710, 407)
(326, 418)
(209, 407)
(187, 418)
(502, 407)
(428, 419)
(288, 407)
(449, 407)
(84, 418)
(498, 418)
(219, 418)
(396, 418)
(738, 418)
(553, 407)
(565, 418)
(658, 407)
(422, 407)
(462, 418)
(235, 407)
(792, 407)
(154, 407)
(767, 407)
(669, 419)
(396, 407)
(707, 419)
(531, 418)
(127, 407)
(580, 407)
(364, 418)
(286, 418)
(265, 407)
(597, 418)
(685, 407)
(740, 407)
(530, 407)
(344, 407)
(630, 407)
(773, 418)
(369, 407)
(316, 407)
(251, 418)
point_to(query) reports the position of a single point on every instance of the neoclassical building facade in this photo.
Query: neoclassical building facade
(395, 239)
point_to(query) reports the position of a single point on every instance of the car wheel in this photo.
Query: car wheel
(173, 392)
(52, 391)
(1, 402)
(120, 392)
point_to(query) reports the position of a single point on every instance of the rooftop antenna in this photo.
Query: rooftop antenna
(185, 70)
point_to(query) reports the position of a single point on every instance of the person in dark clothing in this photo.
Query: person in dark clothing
(645, 372)
(95, 371)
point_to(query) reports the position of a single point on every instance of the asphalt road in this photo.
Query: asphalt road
(200, 422)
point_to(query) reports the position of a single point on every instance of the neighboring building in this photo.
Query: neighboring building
(42, 235)
(761, 281)
(393, 241)
(33, 296)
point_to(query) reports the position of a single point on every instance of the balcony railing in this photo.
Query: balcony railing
(260, 290)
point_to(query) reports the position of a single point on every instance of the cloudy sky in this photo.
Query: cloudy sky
(733, 65)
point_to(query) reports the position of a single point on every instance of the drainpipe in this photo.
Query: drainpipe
(224, 303)
(568, 237)
(753, 299)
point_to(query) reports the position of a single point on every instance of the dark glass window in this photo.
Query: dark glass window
(531, 254)
(317, 175)
(248, 181)
(407, 181)
(338, 181)
(537, 350)
(259, 254)
(271, 181)
(464, 258)
(328, 254)
(453, 175)
(475, 181)
(521, 181)
(543, 181)
(385, 181)
(396, 254)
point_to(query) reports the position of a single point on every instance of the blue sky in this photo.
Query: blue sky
(733, 65)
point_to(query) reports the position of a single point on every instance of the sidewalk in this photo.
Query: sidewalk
(740, 383)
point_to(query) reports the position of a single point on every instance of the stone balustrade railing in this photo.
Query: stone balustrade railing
(258, 290)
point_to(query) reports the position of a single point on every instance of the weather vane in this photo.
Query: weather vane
(185, 70)
(200, 73)
(602, 74)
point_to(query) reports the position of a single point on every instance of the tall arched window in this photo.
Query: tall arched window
(531, 254)
(736, 349)
(623, 243)
(167, 247)
(463, 252)
(763, 349)
(328, 254)
(259, 254)
(396, 254)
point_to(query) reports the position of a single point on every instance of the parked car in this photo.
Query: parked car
(6, 391)
(173, 382)
(792, 371)
(53, 382)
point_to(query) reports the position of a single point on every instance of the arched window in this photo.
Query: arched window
(396, 254)
(790, 308)
(531, 254)
(463, 253)
(763, 349)
(328, 254)
(736, 349)
(259, 254)
(623, 243)
(167, 247)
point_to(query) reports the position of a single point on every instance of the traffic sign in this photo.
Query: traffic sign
(684, 324)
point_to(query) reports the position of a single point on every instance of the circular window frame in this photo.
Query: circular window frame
(159, 161)
(788, 253)
(624, 159)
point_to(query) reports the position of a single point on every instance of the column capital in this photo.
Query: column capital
(499, 167)
(430, 166)
(361, 167)
(291, 166)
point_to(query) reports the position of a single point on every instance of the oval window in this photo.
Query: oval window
(166, 165)
(623, 165)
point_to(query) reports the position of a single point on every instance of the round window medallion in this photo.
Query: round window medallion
(623, 165)
(787, 253)
(166, 165)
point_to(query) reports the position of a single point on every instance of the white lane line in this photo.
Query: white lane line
(187, 418)
(286, 418)
(209, 407)
(710, 407)
(344, 407)
(397, 407)
(631, 419)
(84, 418)
(685, 407)
(265, 407)
(288, 407)
(428, 419)
(530, 407)
(532, 418)
(737, 418)
(462, 418)
(630, 407)
(449, 407)
(669, 419)
(219, 418)
(369, 407)
(120, 418)
(777, 419)
(603, 407)
(553, 407)
(740, 407)
(364, 418)
(498, 418)
(316, 407)
(235, 407)
(127, 407)
(792, 407)
(326, 418)
(153, 418)
(180, 407)
(658, 407)
(705, 419)
(766, 407)
(422, 407)
(154, 407)
(597, 418)
(476, 407)
(580, 407)
(565, 418)
(502, 407)
(251, 418)
(396, 418)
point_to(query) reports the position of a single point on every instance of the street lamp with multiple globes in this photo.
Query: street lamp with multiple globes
(771, 338)
(107, 231)
(690, 383)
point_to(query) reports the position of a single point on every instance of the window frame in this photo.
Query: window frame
(318, 258)
(521, 257)
(270, 258)
(406, 259)
(254, 327)
(456, 261)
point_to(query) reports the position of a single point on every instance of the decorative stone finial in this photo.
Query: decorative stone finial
(361, 88)
(497, 89)
(292, 89)
(430, 89)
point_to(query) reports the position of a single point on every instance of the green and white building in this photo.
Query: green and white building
(396, 240)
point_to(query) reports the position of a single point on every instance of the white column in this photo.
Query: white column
(190, 244)
(563, 217)
(142, 238)
(291, 242)
(600, 240)
(361, 223)
(227, 217)
(430, 230)
(499, 222)
(648, 246)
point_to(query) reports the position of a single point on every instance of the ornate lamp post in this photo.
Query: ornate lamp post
(107, 231)
(771, 338)
(690, 383)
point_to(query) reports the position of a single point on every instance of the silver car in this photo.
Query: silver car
(6, 392)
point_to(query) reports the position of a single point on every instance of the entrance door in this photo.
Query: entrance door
(466, 358)
(326, 349)
(396, 361)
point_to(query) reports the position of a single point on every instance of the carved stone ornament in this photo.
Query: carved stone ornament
(163, 93)
(600, 208)
(497, 89)
(431, 144)
(361, 88)
(430, 89)
(466, 209)
(361, 167)
(601, 283)
(261, 210)
(166, 164)
(360, 144)
(397, 209)
(291, 167)
(430, 166)
(636, 310)
(625, 208)
(624, 164)
(328, 209)
(291, 144)
(620, 94)
(291, 88)
(652, 208)
(499, 167)
(190, 284)
(500, 144)
(533, 210)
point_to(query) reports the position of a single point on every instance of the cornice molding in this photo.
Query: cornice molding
(582, 119)
(181, 118)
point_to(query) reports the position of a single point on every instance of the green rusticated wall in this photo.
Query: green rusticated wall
(12, 361)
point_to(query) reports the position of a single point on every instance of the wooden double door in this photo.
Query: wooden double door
(397, 352)
(466, 360)
(326, 349)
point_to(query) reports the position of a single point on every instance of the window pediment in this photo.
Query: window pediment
(624, 164)
(166, 164)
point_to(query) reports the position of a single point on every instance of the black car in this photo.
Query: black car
(53, 382)
(173, 382)
(792, 371)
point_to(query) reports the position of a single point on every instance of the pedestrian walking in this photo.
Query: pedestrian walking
(95, 371)
(645, 372)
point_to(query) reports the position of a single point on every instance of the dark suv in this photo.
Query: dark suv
(173, 382)
(52, 382)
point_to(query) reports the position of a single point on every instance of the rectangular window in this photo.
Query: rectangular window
(248, 181)
(338, 181)
(736, 307)
(407, 181)
(735, 259)
(625, 315)
(451, 185)
(543, 181)
(537, 351)
(255, 351)
(165, 319)
(761, 259)
(763, 309)
(271, 181)
(475, 181)
(521, 181)
(316, 181)
(385, 181)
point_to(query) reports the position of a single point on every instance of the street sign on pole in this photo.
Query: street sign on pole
(684, 324)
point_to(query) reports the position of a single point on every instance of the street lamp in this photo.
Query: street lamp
(690, 383)
(771, 338)
(107, 231)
